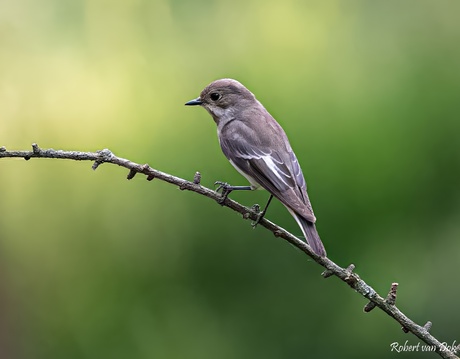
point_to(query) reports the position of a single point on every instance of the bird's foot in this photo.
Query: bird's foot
(224, 188)
(260, 216)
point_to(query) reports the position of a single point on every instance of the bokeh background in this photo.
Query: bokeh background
(94, 266)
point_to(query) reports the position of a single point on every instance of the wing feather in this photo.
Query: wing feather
(276, 168)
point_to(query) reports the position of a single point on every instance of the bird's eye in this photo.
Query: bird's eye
(215, 96)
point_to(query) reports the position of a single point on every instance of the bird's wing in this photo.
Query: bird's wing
(279, 173)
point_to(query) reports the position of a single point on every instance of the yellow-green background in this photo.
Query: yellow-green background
(94, 266)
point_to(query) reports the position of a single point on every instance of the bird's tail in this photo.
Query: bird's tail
(311, 235)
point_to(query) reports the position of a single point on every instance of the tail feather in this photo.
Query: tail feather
(311, 235)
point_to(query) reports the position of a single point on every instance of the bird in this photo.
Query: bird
(259, 149)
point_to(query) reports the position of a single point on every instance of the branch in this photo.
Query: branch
(345, 274)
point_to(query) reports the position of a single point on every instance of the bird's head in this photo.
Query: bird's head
(223, 98)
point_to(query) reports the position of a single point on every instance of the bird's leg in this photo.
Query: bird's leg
(226, 189)
(261, 214)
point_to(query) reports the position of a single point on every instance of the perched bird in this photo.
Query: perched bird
(257, 146)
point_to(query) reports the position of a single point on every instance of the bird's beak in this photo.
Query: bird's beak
(194, 102)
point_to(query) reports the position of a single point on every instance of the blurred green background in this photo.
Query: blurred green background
(94, 266)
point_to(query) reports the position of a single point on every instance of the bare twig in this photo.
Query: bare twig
(345, 274)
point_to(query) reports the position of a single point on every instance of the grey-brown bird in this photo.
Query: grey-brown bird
(257, 146)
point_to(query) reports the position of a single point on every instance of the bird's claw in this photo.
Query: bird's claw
(256, 208)
(225, 189)
(221, 185)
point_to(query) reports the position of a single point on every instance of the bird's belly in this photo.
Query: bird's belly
(251, 180)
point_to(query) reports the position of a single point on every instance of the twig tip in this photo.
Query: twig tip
(349, 272)
(405, 330)
(350, 269)
(327, 273)
(428, 326)
(131, 174)
(369, 306)
(35, 148)
(197, 178)
(96, 165)
(391, 297)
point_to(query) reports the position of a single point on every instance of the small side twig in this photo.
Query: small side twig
(197, 178)
(428, 326)
(391, 297)
(369, 306)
